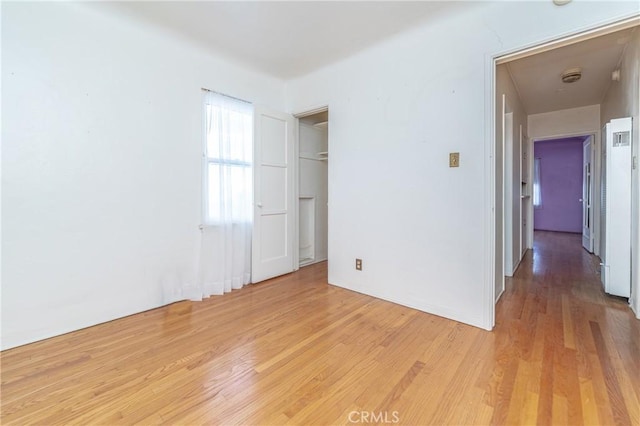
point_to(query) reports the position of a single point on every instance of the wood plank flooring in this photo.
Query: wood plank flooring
(295, 350)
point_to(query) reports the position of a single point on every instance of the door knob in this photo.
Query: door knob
(259, 205)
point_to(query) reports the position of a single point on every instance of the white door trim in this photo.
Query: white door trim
(595, 179)
(491, 61)
(588, 204)
(311, 111)
(567, 40)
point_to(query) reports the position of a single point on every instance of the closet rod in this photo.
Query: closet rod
(224, 94)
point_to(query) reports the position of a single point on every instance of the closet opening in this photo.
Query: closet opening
(312, 184)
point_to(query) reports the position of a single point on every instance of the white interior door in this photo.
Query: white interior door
(587, 195)
(273, 220)
(603, 201)
(616, 267)
(509, 234)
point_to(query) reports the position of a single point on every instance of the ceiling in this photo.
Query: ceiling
(538, 77)
(286, 39)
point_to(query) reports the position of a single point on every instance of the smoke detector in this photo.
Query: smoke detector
(571, 75)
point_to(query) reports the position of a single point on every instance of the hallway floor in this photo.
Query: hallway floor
(569, 353)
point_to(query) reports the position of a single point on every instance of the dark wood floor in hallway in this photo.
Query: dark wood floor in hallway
(295, 350)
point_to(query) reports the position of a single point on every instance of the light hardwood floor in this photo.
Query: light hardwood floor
(296, 350)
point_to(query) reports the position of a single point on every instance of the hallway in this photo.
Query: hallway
(567, 351)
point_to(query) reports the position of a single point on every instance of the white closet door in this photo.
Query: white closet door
(273, 226)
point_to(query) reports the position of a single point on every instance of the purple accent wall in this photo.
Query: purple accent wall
(561, 185)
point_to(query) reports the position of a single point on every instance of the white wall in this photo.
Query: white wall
(100, 164)
(565, 122)
(313, 182)
(622, 100)
(397, 110)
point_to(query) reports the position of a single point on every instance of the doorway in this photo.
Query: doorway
(313, 159)
(563, 114)
(562, 186)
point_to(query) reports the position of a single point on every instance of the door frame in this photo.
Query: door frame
(492, 246)
(595, 176)
(595, 180)
(591, 193)
(296, 173)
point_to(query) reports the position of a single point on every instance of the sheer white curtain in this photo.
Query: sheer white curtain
(225, 249)
(537, 190)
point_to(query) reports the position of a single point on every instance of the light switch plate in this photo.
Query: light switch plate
(454, 159)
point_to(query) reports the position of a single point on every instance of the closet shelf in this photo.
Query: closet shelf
(317, 157)
(321, 125)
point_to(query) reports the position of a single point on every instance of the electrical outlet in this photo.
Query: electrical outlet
(454, 159)
(359, 264)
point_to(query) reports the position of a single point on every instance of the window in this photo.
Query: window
(537, 192)
(227, 165)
